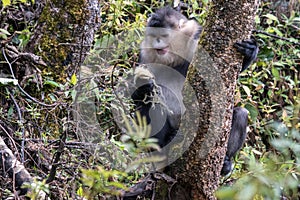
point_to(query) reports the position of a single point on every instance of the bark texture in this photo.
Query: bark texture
(64, 35)
(198, 171)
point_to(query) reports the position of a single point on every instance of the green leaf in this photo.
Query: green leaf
(252, 111)
(225, 193)
(280, 64)
(257, 19)
(271, 17)
(52, 97)
(248, 192)
(275, 72)
(4, 31)
(73, 79)
(3, 36)
(10, 112)
(73, 94)
(6, 3)
(247, 90)
(52, 83)
(80, 191)
(277, 31)
(117, 185)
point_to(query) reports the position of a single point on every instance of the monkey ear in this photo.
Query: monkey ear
(180, 23)
(190, 27)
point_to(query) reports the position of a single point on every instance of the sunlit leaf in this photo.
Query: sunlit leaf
(73, 79)
(247, 90)
(275, 72)
(80, 191)
(6, 81)
(6, 2)
(4, 31)
(271, 17)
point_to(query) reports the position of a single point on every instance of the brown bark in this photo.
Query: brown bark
(198, 170)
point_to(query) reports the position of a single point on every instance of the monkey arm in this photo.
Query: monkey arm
(227, 166)
(143, 92)
(144, 83)
(249, 49)
(236, 138)
(238, 131)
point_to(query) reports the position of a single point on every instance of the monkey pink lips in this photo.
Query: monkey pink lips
(162, 51)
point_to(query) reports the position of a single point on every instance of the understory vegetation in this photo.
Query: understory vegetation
(103, 151)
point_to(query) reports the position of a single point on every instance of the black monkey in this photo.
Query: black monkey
(237, 137)
(170, 40)
(166, 52)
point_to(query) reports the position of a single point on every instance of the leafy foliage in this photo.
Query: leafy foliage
(102, 181)
(36, 187)
(270, 92)
(272, 176)
(134, 142)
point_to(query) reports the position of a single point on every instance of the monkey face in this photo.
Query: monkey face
(158, 40)
(170, 38)
(167, 46)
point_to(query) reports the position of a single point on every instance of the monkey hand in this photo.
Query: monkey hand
(249, 49)
(227, 166)
(144, 82)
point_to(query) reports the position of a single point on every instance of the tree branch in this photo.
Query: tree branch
(15, 170)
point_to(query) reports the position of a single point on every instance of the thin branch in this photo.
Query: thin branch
(70, 145)
(20, 124)
(277, 37)
(57, 157)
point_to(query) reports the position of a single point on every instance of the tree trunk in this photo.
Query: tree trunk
(59, 44)
(64, 35)
(198, 170)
